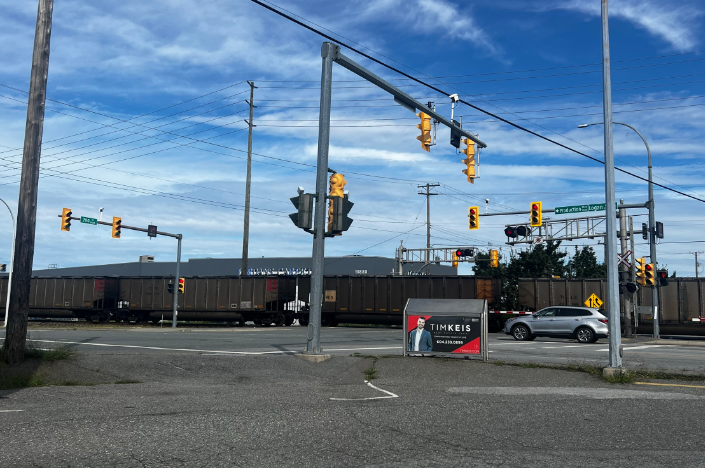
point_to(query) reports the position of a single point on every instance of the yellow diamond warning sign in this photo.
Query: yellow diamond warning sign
(594, 302)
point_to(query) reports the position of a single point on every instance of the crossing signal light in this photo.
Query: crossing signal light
(494, 258)
(641, 271)
(425, 127)
(662, 276)
(469, 160)
(455, 260)
(649, 274)
(511, 231)
(474, 218)
(464, 253)
(66, 219)
(117, 227)
(536, 214)
(182, 284)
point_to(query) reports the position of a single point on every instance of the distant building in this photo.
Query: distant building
(353, 265)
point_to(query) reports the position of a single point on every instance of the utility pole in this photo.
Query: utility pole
(633, 297)
(428, 222)
(623, 271)
(16, 335)
(615, 358)
(246, 228)
(696, 262)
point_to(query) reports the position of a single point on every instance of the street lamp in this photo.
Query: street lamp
(652, 225)
(12, 255)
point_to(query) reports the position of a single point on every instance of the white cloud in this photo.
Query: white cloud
(673, 22)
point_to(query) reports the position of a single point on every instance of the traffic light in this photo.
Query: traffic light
(303, 218)
(494, 258)
(662, 276)
(474, 218)
(641, 271)
(464, 253)
(337, 183)
(117, 226)
(425, 127)
(536, 214)
(341, 221)
(644, 231)
(469, 160)
(659, 229)
(66, 219)
(455, 260)
(649, 274)
(182, 283)
(170, 287)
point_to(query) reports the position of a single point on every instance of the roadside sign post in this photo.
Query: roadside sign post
(446, 327)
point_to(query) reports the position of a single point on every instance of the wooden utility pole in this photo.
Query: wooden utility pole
(246, 227)
(428, 194)
(16, 335)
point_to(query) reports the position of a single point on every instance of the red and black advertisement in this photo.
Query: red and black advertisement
(443, 334)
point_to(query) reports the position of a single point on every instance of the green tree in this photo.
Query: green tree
(584, 265)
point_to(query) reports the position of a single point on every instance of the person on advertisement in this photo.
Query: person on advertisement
(420, 339)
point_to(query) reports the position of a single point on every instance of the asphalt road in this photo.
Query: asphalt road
(638, 352)
(214, 409)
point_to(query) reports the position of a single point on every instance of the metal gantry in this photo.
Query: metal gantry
(585, 227)
(431, 255)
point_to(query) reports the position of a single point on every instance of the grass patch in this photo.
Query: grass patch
(371, 373)
(49, 355)
(21, 381)
(126, 381)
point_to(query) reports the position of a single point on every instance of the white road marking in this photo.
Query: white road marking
(369, 384)
(11, 410)
(209, 351)
(594, 393)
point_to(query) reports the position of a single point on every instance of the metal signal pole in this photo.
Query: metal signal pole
(615, 358)
(246, 228)
(428, 222)
(16, 335)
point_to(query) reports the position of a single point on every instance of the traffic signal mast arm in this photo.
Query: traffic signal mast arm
(131, 228)
(400, 97)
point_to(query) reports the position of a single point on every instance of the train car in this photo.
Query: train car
(90, 298)
(261, 300)
(681, 302)
(381, 299)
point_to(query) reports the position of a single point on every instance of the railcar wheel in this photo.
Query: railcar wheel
(303, 320)
(288, 320)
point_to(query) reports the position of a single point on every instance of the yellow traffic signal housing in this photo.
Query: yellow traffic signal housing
(182, 285)
(337, 184)
(425, 127)
(494, 258)
(469, 160)
(66, 219)
(474, 217)
(649, 274)
(641, 271)
(455, 260)
(117, 227)
(536, 214)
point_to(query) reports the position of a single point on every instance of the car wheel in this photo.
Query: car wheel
(521, 333)
(585, 335)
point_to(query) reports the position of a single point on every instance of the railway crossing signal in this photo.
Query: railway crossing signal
(460, 253)
(425, 127)
(494, 258)
(474, 218)
(516, 231)
(649, 274)
(536, 214)
(66, 219)
(117, 227)
(641, 271)
(469, 160)
(662, 277)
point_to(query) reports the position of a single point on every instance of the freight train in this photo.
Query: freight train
(271, 300)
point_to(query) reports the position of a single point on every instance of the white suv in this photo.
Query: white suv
(584, 324)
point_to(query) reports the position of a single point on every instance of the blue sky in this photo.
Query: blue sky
(534, 65)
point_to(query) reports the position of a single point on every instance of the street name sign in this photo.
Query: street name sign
(87, 220)
(594, 302)
(579, 208)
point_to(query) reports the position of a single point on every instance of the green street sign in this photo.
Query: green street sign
(87, 220)
(580, 208)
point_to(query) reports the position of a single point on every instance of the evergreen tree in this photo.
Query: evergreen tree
(584, 265)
